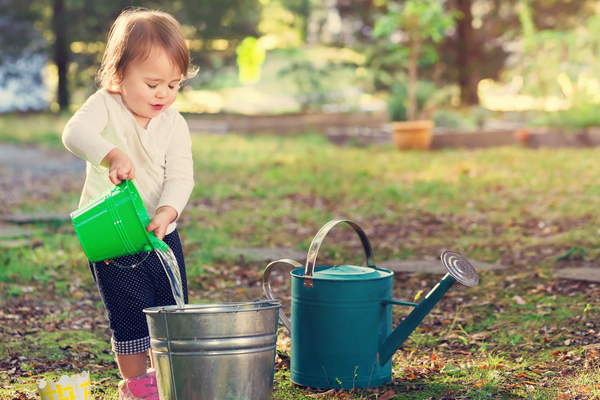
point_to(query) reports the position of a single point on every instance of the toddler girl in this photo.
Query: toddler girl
(128, 130)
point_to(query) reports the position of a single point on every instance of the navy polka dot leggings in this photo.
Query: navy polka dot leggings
(127, 291)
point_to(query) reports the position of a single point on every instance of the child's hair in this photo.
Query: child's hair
(133, 36)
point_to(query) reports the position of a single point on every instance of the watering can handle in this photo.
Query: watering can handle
(269, 292)
(311, 259)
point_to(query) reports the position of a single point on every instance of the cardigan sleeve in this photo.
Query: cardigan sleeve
(82, 134)
(179, 168)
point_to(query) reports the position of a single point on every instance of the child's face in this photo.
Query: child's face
(150, 87)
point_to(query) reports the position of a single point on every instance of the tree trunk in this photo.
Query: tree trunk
(61, 52)
(468, 77)
(413, 60)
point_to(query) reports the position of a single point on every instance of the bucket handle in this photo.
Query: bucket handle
(269, 292)
(311, 259)
(129, 266)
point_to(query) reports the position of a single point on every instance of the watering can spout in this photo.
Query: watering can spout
(459, 270)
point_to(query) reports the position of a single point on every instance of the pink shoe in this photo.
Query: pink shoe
(140, 388)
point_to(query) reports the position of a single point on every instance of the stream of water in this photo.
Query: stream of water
(169, 263)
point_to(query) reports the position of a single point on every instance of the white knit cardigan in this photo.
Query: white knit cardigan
(162, 153)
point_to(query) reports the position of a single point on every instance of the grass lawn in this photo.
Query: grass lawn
(522, 333)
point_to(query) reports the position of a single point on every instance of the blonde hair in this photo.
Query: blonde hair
(133, 36)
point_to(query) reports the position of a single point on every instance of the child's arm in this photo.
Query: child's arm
(82, 134)
(179, 180)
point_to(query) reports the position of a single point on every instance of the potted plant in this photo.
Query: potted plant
(414, 22)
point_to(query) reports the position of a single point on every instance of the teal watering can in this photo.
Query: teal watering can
(341, 334)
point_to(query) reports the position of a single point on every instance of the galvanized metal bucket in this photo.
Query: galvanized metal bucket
(214, 351)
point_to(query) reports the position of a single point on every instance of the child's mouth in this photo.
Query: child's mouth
(157, 106)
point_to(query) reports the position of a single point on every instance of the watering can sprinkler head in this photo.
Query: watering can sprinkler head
(459, 270)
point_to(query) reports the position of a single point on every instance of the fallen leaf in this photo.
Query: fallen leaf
(319, 395)
(480, 336)
(511, 385)
(545, 338)
(465, 352)
(387, 395)
(587, 388)
(519, 300)
(449, 368)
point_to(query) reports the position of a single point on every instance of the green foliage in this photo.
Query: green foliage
(571, 65)
(250, 58)
(89, 22)
(479, 115)
(315, 83)
(448, 119)
(398, 99)
(421, 20)
(572, 120)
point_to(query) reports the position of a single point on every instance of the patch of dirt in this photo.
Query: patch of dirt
(399, 230)
(31, 175)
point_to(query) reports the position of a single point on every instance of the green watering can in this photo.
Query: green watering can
(114, 224)
(341, 334)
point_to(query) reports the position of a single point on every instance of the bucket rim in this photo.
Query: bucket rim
(209, 308)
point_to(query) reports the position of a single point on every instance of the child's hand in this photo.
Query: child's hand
(120, 166)
(159, 223)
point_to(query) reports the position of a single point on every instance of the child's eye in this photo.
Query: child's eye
(152, 87)
(171, 87)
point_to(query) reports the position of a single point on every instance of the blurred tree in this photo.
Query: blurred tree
(301, 10)
(421, 22)
(75, 32)
(571, 60)
(486, 31)
(19, 41)
(468, 76)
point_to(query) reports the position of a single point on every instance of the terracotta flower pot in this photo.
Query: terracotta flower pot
(522, 136)
(412, 135)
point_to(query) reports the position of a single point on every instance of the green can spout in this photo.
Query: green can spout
(459, 270)
(158, 244)
(410, 323)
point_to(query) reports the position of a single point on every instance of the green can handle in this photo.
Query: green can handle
(269, 292)
(311, 259)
